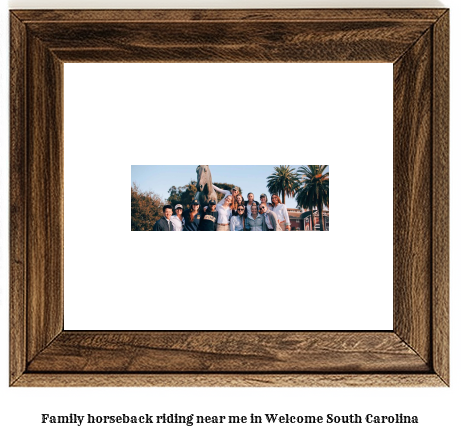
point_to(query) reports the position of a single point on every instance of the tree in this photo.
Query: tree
(182, 195)
(185, 194)
(283, 181)
(146, 209)
(314, 190)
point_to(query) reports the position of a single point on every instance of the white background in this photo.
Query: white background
(437, 408)
(339, 114)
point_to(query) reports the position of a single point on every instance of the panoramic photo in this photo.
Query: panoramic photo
(230, 198)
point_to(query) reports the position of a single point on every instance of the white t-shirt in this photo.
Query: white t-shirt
(282, 214)
(224, 215)
(177, 223)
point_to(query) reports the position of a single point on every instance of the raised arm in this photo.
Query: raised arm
(222, 191)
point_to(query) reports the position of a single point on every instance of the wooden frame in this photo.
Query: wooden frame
(415, 353)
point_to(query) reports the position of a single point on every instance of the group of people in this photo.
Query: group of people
(232, 213)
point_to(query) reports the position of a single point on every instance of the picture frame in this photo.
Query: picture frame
(414, 353)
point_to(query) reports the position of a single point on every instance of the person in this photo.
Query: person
(254, 222)
(209, 220)
(250, 202)
(224, 214)
(164, 224)
(239, 202)
(263, 198)
(192, 217)
(281, 211)
(237, 222)
(178, 219)
(271, 222)
(233, 192)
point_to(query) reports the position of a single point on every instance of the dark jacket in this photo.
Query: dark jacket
(209, 221)
(162, 225)
(191, 226)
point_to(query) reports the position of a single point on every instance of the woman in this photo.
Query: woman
(192, 217)
(178, 219)
(234, 192)
(254, 223)
(224, 214)
(209, 220)
(270, 221)
(237, 222)
(263, 198)
(281, 211)
(250, 202)
(238, 202)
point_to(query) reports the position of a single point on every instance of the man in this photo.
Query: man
(270, 222)
(164, 224)
(178, 219)
(250, 202)
(209, 220)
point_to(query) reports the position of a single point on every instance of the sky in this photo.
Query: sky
(160, 178)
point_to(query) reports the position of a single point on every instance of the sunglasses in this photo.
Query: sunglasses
(239, 209)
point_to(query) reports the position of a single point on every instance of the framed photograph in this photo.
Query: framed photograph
(415, 352)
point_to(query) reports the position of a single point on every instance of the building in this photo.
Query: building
(297, 223)
(312, 221)
(306, 221)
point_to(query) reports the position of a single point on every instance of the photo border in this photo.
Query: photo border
(414, 353)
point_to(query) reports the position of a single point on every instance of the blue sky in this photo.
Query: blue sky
(160, 178)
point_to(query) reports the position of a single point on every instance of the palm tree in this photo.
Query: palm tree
(314, 189)
(283, 181)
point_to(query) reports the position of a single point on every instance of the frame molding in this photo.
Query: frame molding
(415, 353)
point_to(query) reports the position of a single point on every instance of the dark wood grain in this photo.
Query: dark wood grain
(45, 200)
(413, 196)
(414, 354)
(441, 199)
(230, 380)
(18, 213)
(203, 15)
(235, 352)
(242, 41)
